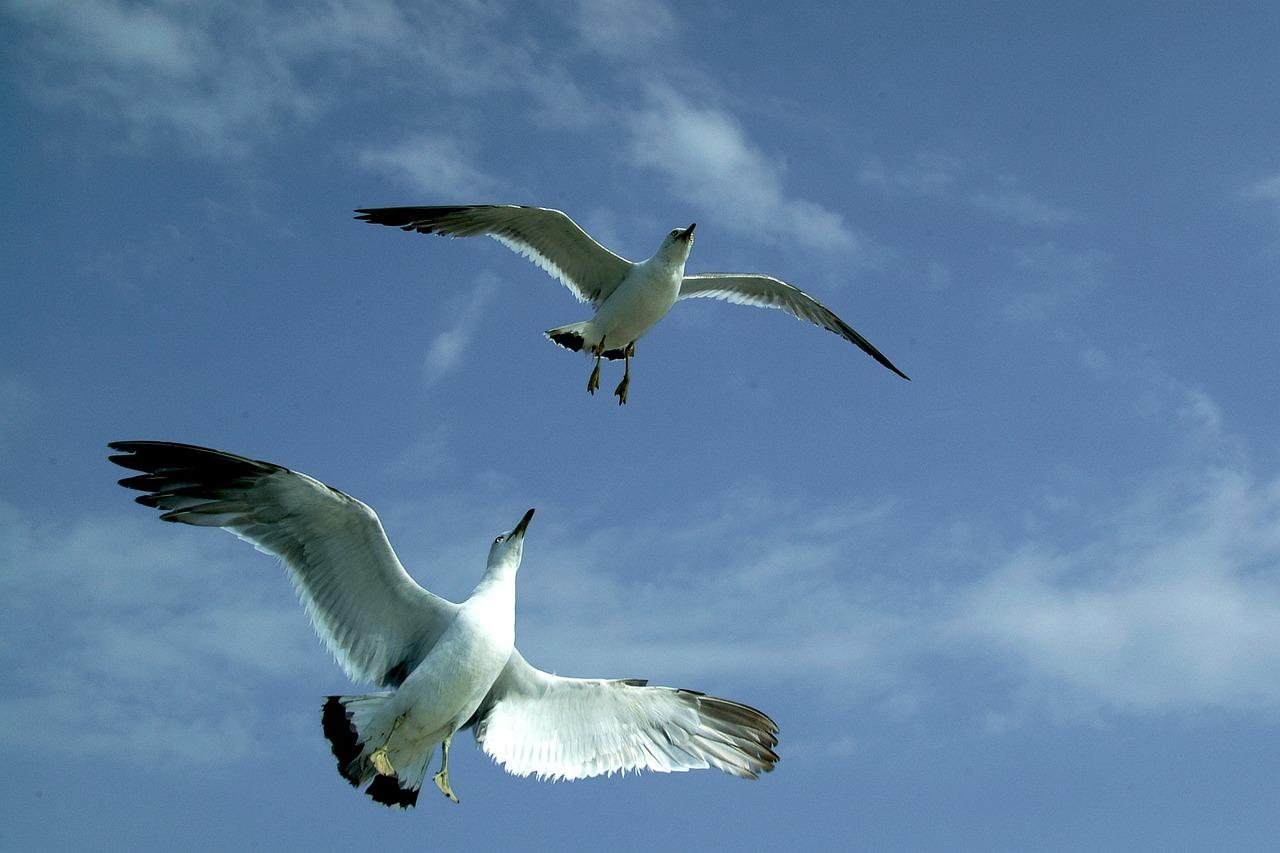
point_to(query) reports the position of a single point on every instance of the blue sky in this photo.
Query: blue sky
(1030, 600)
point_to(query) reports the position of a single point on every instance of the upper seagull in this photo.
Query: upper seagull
(445, 666)
(629, 297)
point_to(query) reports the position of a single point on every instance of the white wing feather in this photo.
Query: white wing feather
(547, 237)
(375, 619)
(766, 291)
(533, 722)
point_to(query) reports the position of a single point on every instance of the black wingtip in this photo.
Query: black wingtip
(342, 737)
(387, 790)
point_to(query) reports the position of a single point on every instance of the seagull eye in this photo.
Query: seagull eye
(499, 539)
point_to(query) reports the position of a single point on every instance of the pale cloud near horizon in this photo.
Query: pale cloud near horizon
(710, 162)
(136, 642)
(1176, 609)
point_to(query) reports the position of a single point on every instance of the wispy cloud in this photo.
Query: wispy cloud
(1010, 202)
(1048, 280)
(940, 176)
(447, 348)
(434, 164)
(1267, 189)
(1165, 599)
(710, 162)
(1177, 606)
(121, 641)
(927, 175)
(624, 28)
(221, 78)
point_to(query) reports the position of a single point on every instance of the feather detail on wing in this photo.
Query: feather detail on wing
(768, 292)
(533, 722)
(547, 237)
(378, 622)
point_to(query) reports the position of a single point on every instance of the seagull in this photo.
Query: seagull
(629, 298)
(443, 667)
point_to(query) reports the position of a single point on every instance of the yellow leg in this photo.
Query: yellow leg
(380, 758)
(594, 382)
(442, 778)
(621, 390)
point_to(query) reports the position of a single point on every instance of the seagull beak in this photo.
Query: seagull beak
(688, 232)
(524, 523)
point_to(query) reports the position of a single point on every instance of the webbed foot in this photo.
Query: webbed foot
(442, 782)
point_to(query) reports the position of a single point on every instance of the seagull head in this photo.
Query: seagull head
(508, 548)
(679, 241)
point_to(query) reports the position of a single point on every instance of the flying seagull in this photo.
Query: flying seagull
(443, 667)
(628, 297)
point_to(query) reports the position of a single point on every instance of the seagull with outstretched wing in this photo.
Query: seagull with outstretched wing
(629, 298)
(443, 667)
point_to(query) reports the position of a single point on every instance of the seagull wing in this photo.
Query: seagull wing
(571, 728)
(768, 292)
(547, 237)
(378, 622)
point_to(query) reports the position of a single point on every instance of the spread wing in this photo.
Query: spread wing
(572, 728)
(768, 292)
(547, 237)
(378, 622)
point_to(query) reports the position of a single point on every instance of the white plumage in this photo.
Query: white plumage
(445, 666)
(629, 297)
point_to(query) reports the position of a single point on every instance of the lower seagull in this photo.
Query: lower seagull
(444, 667)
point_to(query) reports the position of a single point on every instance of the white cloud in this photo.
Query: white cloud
(939, 176)
(122, 640)
(711, 163)
(222, 77)
(1049, 281)
(767, 594)
(164, 70)
(434, 164)
(447, 348)
(624, 28)
(1176, 606)
(927, 175)
(1012, 203)
(1267, 189)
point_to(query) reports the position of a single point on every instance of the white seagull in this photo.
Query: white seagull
(629, 297)
(444, 667)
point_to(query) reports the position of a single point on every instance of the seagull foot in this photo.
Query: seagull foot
(621, 390)
(381, 761)
(442, 782)
(594, 382)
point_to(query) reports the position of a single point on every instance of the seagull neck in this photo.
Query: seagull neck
(499, 579)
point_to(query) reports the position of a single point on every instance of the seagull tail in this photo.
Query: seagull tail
(570, 336)
(354, 729)
(576, 336)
